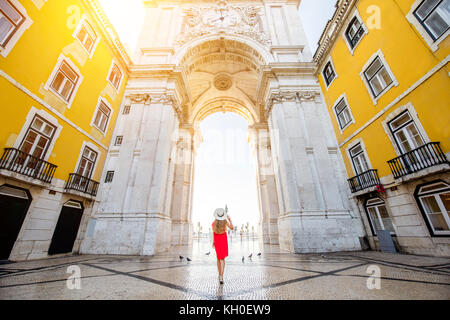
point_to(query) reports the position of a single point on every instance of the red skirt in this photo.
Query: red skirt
(221, 245)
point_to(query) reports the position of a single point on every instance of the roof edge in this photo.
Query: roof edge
(332, 28)
(109, 32)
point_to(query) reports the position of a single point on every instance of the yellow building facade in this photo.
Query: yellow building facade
(63, 72)
(383, 70)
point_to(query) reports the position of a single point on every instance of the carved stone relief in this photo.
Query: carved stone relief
(223, 18)
(223, 82)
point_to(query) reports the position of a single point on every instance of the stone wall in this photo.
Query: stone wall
(134, 212)
(412, 234)
(316, 214)
(37, 230)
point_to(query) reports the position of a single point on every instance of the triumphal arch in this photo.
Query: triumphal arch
(199, 57)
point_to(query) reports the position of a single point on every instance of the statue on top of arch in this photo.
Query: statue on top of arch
(223, 18)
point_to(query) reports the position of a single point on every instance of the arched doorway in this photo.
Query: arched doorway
(14, 203)
(66, 229)
(222, 76)
(225, 174)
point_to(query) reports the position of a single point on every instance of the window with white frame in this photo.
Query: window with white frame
(65, 81)
(377, 77)
(359, 159)
(87, 163)
(328, 73)
(434, 15)
(343, 114)
(37, 138)
(378, 216)
(434, 201)
(405, 133)
(115, 76)
(354, 32)
(102, 116)
(87, 36)
(10, 21)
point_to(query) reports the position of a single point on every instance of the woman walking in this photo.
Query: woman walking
(221, 223)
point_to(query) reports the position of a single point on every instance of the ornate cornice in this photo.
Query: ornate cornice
(307, 95)
(290, 95)
(332, 29)
(166, 98)
(139, 98)
(109, 32)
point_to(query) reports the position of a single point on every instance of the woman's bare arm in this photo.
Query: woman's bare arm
(212, 236)
(230, 224)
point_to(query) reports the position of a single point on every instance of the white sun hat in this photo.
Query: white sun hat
(220, 214)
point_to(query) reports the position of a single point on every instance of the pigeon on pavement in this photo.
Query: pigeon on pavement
(181, 257)
(250, 256)
(208, 253)
(188, 259)
(259, 254)
(243, 259)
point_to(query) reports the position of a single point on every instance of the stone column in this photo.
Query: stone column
(158, 160)
(267, 193)
(134, 214)
(182, 228)
(315, 212)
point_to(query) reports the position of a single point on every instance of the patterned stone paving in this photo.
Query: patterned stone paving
(275, 275)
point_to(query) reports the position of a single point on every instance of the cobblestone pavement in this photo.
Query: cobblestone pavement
(274, 275)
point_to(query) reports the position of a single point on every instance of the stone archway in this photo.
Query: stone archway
(233, 56)
(222, 75)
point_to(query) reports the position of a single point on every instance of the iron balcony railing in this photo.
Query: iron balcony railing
(18, 161)
(82, 184)
(426, 156)
(364, 180)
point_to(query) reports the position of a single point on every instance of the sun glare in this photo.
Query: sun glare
(126, 19)
(231, 180)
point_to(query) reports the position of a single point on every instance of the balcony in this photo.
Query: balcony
(20, 162)
(82, 184)
(364, 180)
(426, 156)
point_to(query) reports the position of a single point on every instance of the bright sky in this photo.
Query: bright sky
(128, 19)
(225, 170)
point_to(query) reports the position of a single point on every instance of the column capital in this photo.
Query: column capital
(259, 126)
(286, 95)
(164, 97)
(138, 98)
(187, 127)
